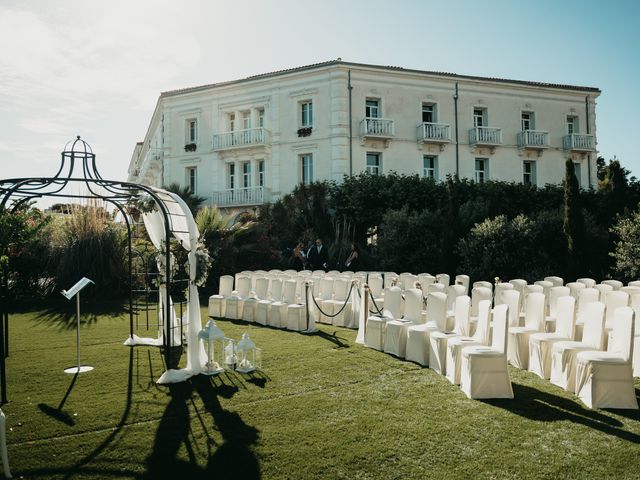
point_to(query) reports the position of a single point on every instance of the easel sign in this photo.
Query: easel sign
(69, 294)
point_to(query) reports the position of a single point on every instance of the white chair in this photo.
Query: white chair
(603, 288)
(635, 357)
(435, 287)
(634, 283)
(588, 282)
(218, 302)
(438, 340)
(376, 324)
(395, 337)
(605, 379)
(532, 289)
(546, 289)
(574, 288)
(540, 344)
(426, 279)
(456, 344)
(554, 294)
(557, 281)
(612, 301)
(478, 294)
(264, 306)
(3, 445)
(616, 284)
(443, 278)
(261, 306)
(278, 312)
(409, 281)
(511, 298)
(563, 354)
(235, 303)
(334, 305)
(390, 279)
(324, 293)
(453, 292)
(518, 343)
(464, 281)
(519, 284)
(585, 297)
(484, 372)
(418, 335)
(497, 293)
(484, 284)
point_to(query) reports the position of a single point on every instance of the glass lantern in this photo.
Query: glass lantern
(249, 357)
(230, 357)
(213, 340)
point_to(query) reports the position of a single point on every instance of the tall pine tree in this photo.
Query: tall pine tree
(573, 222)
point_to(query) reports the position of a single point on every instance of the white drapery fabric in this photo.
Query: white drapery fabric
(183, 227)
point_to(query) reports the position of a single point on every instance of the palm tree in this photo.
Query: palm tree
(193, 201)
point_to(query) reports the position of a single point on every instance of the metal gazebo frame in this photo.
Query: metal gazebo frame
(78, 154)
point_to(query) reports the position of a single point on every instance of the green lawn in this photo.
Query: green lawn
(322, 407)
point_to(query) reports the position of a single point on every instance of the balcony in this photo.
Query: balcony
(535, 139)
(252, 137)
(382, 128)
(577, 142)
(239, 197)
(485, 137)
(439, 133)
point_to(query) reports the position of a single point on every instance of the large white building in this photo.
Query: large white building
(245, 142)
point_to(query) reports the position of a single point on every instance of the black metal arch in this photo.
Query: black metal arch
(78, 168)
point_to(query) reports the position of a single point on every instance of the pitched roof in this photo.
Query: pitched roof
(339, 62)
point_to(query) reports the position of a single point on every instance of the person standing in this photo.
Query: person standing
(298, 257)
(318, 256)
(353, 261)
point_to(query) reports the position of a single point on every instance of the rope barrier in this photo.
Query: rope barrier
(341, 308)
(379, 312)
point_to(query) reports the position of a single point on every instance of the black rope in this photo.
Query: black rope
(373, 300)
(339, 311)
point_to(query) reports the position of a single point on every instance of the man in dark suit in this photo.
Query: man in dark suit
(318, 256)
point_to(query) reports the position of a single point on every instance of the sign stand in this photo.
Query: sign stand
(75, 290)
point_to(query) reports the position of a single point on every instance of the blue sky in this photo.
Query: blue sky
(97, 68)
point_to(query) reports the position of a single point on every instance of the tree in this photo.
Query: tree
(626, 251)
(573, 221)
(193, 201)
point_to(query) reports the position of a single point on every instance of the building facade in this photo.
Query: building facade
(246, 142)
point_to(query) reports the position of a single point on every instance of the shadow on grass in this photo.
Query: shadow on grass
(232, 458)
(58, 413)
(333, 338)
(543, 406)
(81, 467)
(62, 313)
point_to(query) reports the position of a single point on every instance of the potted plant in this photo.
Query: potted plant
(190, 147)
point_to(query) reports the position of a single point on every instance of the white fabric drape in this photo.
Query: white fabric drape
(184, 229)
(362, 315)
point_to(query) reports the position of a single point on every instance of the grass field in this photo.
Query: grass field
(322, 407)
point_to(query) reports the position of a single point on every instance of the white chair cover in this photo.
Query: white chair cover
(395, 337)
(540, 344)
(605, 379)
(563, 354)
(455, 345)
(484, 373)
(438, 340)
(518, 349)
(417, 335)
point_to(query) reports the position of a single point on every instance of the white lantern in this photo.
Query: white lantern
(248, 356)
(230, 358)
(213, 339)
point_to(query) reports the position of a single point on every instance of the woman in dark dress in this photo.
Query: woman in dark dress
(299, 257)
(353, 261)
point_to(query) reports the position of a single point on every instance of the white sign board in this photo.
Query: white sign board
(83, 282)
